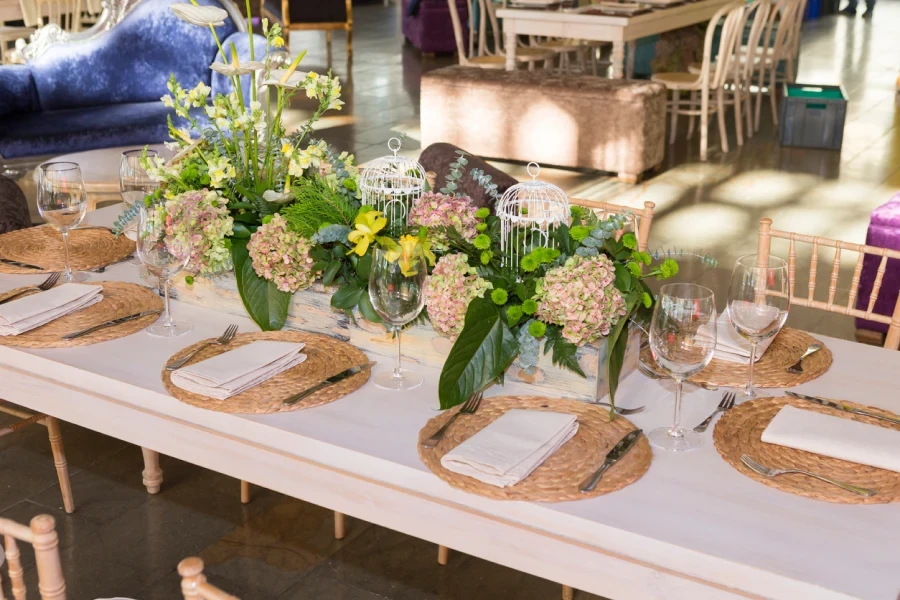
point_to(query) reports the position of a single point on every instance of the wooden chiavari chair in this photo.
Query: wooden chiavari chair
(56, 446)
(41, 534)
(194, 585)
(64, 13)
(766, 233)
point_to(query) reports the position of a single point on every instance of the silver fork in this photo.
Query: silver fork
(221, 341)
(468, 408)
(726, 403)
(43, 287)
(621, 411)
(768, 472)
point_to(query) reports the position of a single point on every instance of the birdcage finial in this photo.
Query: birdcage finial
(392, 142)
(537, 170)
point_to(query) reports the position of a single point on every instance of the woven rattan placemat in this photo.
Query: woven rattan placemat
(740, 429)
(120, 299)
(43, 247)
(557, 479)
(326, 356)
(770, 371)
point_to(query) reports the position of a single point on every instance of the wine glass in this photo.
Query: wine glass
(682, 340)
(759, 298)
(62, 202)
(164, 256)
(398, 298)
(134, 181)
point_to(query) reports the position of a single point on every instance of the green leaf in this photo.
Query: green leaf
(363, 266)
(332, 270)
(564, 355)
(482, 353)
(247, 217)
(367, 310)
(347, 296)
(623, 277)
(239, 230)
(265, 303)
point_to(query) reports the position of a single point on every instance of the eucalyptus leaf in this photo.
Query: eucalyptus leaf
(265, 303)
(481, 354)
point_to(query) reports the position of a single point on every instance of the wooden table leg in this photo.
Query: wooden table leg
(618, 59)
(340, 526)
(62, 467)
(152, 473)
(245, 492)
(510, 51)
(567, 593)
(443, 555)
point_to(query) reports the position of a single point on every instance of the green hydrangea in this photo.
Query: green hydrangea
(486, 257)
(647, 300)
(643, 257)
(545, 255)
(513, 314)
(529, 263)
(529, 307)
(483, 213)
(668, 269)
(635, 268)
(579, 232)
(537, 329)
(629, 241)
(577, 212)
(480, 227)
(482, 241)
(499, 296)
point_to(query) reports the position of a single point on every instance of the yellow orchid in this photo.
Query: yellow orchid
(409, 249)
(368, 224)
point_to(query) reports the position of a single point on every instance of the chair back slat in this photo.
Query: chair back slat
(759, 23)
(41, 534)
(792, 266)
(457, 32)
(642, 218)
(766, 233)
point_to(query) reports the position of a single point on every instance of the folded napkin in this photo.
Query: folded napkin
(235, 371)
(509, 449)
(835, 437)
(731, 347)
(28, 312)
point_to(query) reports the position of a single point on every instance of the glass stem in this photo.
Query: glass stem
(398, 372)
(750, 374)
(168, 321)
(674, 432)
(67, 275)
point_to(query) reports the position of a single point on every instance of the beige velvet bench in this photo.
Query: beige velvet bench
(577, 121)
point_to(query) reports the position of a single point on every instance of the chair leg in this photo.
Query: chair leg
(567, 593)
(695, 104)
(704, 123)
(720, 108)
(340, 526)
(152, 474)
(62, 467)
(748, 110)
(245, 492)
(738, 121)
(773, 97)
(676, 99)
(443, 555)
(759, 97)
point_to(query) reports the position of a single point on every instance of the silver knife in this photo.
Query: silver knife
(843, 407)
(330, 381)
(118, 321)
(21, 265)
(617, 452)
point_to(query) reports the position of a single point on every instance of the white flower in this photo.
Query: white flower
(204, 16)
(168, 101)
(277, 197)
(220, 171)
(222, 123)
(235, 68)
(255, 105)
(294, 80)
(210, 111)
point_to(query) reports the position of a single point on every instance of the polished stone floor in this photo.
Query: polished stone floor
(123, 542)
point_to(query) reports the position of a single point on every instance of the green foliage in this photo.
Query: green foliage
(514, 314)
(265, 303)
(499, 296)
(317, 205)
(537, 329)
(564, 351)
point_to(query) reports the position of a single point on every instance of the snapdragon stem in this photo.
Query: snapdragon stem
(252, 50)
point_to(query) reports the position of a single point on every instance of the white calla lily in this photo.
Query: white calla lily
(277, 197)
(235, 68)
(278, 79)
(203, 16)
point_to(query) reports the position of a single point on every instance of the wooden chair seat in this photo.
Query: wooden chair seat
(488, 62)
(678, 80)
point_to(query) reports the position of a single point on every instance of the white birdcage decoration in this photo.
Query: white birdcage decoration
(529, 212)
(391, 184)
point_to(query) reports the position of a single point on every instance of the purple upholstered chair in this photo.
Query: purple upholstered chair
(427, 24)
(884, 232)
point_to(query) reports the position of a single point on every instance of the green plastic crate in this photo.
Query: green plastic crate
(812, 116)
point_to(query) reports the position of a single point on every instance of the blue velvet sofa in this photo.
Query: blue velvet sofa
(105, 91)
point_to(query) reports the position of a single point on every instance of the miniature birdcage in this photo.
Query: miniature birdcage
(391, 184)
(529, 212)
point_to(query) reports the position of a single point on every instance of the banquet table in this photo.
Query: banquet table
(691, 528)
(620, 30)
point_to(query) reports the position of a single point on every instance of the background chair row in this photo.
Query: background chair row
(69, 15)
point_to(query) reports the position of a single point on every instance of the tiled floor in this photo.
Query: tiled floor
(122, 542)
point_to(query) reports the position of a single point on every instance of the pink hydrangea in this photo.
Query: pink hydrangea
(200, 219)
(448, 291)
(440, 210)
(580, 297)
(281, 256)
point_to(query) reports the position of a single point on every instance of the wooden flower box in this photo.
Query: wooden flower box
(311, 311)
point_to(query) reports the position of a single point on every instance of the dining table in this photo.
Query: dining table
(691, 528)
(620, 30)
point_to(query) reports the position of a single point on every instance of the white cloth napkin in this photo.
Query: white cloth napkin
(731, 347)
(230, 373)
(835, 437)
(28, 312)
(509, 449)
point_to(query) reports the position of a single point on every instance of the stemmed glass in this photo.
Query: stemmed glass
(164, 256)
(398, 298)
(682, 340)
(759, 298)
(134, 181)
(62, 202)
